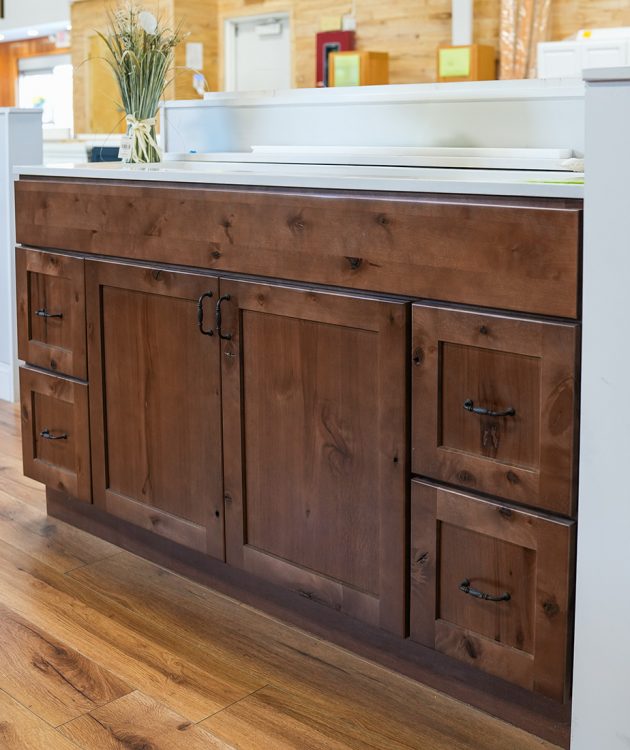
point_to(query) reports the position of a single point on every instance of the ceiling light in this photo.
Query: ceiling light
(32, 32)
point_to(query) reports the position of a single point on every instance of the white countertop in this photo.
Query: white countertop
(397, 179)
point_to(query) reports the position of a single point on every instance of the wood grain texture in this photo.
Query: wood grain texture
(498, 550)
(156, 403)
(310, 502)
(498, 363)
(510, 254)
(137, 721)
(48, 677)
(58, 407)
(54, 284)
(22, 730)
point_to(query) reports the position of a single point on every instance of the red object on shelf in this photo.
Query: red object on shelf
(327, 42)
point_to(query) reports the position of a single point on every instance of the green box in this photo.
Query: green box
(347, 70)
(455, 62)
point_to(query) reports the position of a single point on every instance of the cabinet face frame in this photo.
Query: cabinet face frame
(75, 481)
(208, 536)
(550, 485)
(65, 361)
(388, 320)
(545, 669)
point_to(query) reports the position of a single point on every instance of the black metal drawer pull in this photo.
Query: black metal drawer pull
(219, 319)
(469, 405)
(47, 435)
(209, 332)
(43, 313)
(468, 589)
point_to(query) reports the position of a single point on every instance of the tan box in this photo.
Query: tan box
(354, 68)
(471, 62)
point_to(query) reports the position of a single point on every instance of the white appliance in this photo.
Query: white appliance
(20, 144)
(598, 48)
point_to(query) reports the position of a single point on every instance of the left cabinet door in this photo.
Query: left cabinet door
(155, 407)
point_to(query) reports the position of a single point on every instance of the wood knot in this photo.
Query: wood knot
(382, 220)
(422, 558)
(512, 477)
(469, 648)
(296, 224)
(551, 608)
(53, 364)
(215, 254)
(483, 330)
(465, 476)
(355, 263)
(418, 357)
(505, 512)
(157, 274)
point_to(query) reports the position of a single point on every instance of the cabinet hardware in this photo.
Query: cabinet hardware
(224, 336)
(43, 313)
(467, 589)
(47, 435)
(470, 406)
(205, 295)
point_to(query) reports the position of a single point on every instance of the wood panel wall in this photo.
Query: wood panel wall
(410, 30)
(10, 55)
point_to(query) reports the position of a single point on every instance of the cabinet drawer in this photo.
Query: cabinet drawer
(463, 547)
(55, 432)
(51, 311)
(494, 405)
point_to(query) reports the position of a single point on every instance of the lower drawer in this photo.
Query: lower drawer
(55, 432)
(492, 585)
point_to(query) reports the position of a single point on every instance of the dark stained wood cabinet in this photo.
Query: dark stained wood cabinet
(230, 408)
(494, 404)
(155, 403)
(51, 312)
(314, 423)
(55, 432)
(491, 585)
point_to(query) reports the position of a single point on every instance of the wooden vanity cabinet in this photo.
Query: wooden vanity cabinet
(155, 402)
(314, 425)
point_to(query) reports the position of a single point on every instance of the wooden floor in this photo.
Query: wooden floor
(103, 651)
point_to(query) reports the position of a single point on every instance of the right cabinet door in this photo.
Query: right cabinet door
(314, 425)
(494, 404)
(490, 585)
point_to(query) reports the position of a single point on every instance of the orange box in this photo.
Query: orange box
(471, 62)
(356, 68)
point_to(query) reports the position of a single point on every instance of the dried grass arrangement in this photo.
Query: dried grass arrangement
(140, 49)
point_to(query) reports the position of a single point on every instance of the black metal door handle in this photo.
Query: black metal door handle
(219, 319)
(47, 435)
(468, 589)
(205, 295)
(43, 313)
(469, 405)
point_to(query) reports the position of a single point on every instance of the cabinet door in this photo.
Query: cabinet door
(490, 585)
(155, 404)
(494, 405)
(314, 424)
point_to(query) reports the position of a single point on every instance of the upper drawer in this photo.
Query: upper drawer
(515, 254)
(51, 311)
(494, 405)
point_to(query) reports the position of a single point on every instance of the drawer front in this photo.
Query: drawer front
(507, 253)
(464, 548)
(55, 432)
(494, 405)
(51, 311)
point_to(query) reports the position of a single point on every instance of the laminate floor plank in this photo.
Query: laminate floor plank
(101, 632)
(48, 677)
(59, 545)
(389, 708)
(22, 730)
(137, 721)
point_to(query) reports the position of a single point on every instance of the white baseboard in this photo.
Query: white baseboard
(8, 390)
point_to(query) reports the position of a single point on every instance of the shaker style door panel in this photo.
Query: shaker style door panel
(490, 585)
(51, 311)
(314, 423)
(494, 405)
(156, 402)
(55, 432)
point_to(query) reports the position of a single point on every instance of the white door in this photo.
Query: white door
(258, 53)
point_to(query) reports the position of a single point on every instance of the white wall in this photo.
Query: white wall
(23, 13)
(601, 691)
